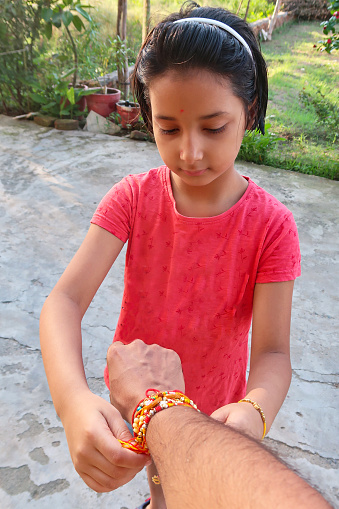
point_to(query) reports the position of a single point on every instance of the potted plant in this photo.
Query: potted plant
(60, 100)
(129, 113)
(103, 101)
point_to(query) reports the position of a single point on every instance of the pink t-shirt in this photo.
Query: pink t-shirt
(189, 281)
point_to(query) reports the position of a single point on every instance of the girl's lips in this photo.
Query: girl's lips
(194, 173)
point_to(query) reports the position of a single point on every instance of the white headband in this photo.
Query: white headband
(222, 25)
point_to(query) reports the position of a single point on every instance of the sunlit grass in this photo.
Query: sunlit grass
(295, 66)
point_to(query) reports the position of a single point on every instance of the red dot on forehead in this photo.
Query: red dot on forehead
(181, 111)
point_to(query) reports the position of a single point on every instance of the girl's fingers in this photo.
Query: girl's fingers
(102, 476)
(92, 483)
(221, 414)
(102, 464)
(118, 456)
(107, 443)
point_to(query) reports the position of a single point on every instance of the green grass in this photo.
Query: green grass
(295, 67)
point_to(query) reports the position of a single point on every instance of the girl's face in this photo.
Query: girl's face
(198, 125)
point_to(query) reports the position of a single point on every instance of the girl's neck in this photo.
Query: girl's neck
(211, 200)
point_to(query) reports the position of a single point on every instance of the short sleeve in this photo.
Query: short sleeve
(114, 212)
(280, 257)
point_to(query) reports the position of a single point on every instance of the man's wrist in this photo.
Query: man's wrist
(139, 398)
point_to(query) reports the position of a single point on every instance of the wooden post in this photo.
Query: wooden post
(247, 9)
(123, 74)
(273, 19)
(146, 14)
(239, 7)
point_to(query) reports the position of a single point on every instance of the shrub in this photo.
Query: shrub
(331, 41)
(327, 112)
(307, 9)
(256, 148)
(20, 42)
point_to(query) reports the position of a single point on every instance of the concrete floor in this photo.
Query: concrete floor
(51, 182)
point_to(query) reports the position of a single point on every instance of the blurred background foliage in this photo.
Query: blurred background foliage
(37, 55)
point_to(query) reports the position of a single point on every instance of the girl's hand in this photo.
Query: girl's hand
(241, 416)
(93, 428)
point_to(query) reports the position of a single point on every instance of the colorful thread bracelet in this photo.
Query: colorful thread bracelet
(259, 409)
(146, 409)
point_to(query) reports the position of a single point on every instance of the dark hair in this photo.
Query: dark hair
(199, 45)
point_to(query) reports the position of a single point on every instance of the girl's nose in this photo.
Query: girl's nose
(191, 149)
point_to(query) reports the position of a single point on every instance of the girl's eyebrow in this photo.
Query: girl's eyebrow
(204, 117)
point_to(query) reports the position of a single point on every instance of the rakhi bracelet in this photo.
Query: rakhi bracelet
(259, 409)
(146, 409)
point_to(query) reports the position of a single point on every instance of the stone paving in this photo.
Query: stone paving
(51, 182)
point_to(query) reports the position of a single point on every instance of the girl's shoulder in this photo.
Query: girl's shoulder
(148, 179)
(267, 202)
(134, 185)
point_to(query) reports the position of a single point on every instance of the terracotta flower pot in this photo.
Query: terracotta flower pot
(104, 104)
(129, 113)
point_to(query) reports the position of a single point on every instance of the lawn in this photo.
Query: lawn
(303, 101)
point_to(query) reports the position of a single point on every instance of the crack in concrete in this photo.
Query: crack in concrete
(18, 480)
(316, 372)
(294, 452)
(332, 384)
(11, 345)
(96, 326)
(31, 313)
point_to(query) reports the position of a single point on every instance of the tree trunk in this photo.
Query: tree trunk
(123, 74)
(146, 13)
(239, 7)
(273, 19)
(247, 9)
(75, 55)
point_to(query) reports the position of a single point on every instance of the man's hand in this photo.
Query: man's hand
(136, 367)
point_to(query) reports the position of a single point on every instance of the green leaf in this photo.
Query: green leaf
(90, 91)
(67, 2)
(48, 30)
(67, 73)
(70, 95)
(57, 17)
(37, 98)
(82, 12)
(78, 23)
(46, 13)
(67, 18)
(65, 111)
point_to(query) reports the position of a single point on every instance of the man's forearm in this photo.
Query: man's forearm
(203, 463)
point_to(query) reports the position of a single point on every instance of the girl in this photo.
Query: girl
(208, 253)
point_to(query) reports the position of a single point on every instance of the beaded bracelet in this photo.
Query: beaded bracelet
(257, 407)
(146, 409)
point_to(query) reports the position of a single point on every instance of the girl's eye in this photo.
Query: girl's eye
(168, 131)
(212, 131)
(217, 131)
